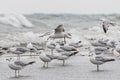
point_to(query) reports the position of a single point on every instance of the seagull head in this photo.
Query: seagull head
(9, 59)
(39, 52)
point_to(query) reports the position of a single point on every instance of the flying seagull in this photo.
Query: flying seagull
(106, 25)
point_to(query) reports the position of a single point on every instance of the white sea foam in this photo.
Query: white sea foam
(15, 20)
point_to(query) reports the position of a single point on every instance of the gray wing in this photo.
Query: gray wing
(22, 49)
(17, 52)
(21, 63)
(68, 48)
(51, 56)
(99, 58)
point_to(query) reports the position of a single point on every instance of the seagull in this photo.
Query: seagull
(18, 65)
(65, 55)
(31, 48)
(63, 58)
(44, 58)
(112, 43)
(38, 47)
(63, 48)
(62, 35)
(118, 48)
(76, 44)
(99, 42)
(51, 46)
(103, 41)
(99, 59)
(106, 25)
(100, 50)
(18, 51)
(59, 32)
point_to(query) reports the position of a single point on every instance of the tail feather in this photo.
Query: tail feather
(30, 63)
(108, 60)
(74, 53)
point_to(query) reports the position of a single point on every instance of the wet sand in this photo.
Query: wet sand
(76, 68)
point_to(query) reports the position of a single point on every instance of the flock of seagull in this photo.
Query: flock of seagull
(61, 50)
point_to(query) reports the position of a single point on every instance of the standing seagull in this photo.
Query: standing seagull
(51, 46)
(18, 51)
(99, 60)
(31, 48)
(18, 65)
(65, 55)
(44, 58)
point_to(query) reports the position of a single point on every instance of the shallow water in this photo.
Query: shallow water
(82, 27)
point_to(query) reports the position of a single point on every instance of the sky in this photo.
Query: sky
(60, 6)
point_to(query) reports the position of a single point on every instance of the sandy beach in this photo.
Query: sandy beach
(76, 68)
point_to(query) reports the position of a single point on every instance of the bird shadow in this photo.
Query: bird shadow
(44, 68)
(95, 71)
(19, 77)
(60, 65)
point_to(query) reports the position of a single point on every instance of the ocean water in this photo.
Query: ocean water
(81, 27)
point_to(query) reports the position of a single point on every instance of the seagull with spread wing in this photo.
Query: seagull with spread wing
(59, 32)
(106, 24)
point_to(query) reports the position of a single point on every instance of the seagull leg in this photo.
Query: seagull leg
(47, 64)
(18, 57)
(97, 67)
(18, 73)
(64, 40)
(44, 64)
(15, 73)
